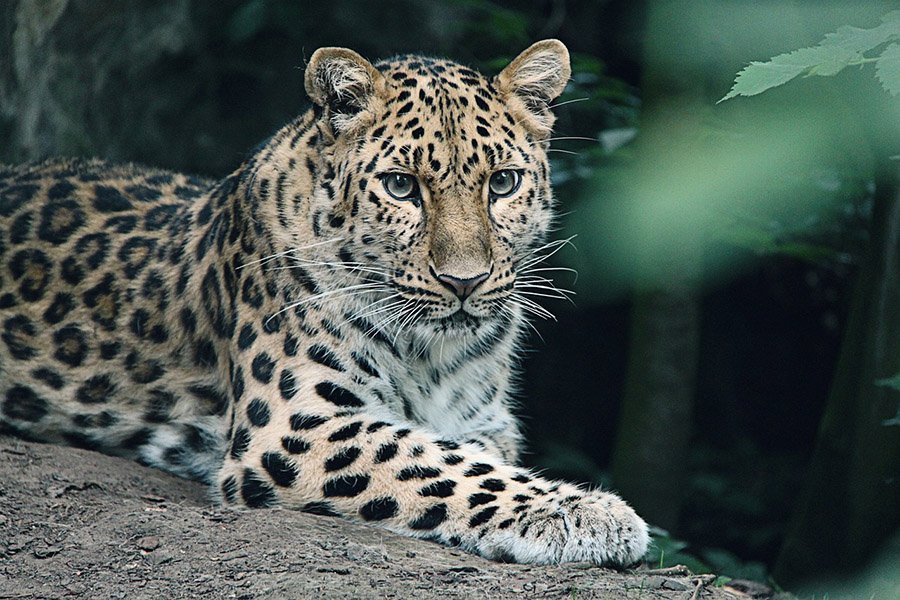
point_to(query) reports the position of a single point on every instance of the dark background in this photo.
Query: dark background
(719, 246)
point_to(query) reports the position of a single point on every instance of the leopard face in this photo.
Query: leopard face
(440, 186)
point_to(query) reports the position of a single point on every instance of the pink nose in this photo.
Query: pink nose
(462, 287)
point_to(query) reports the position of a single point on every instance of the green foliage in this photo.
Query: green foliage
(887, 69)
(597, 115)
(667, 551)
(832, 230)
(842, 48)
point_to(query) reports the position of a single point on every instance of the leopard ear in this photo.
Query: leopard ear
(345, 84)
(534, 79)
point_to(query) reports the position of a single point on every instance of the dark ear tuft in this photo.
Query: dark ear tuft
(345, 84)
(536, 77)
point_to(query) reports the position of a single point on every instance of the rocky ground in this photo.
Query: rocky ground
(76, 524)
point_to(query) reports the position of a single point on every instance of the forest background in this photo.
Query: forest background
(730, 359)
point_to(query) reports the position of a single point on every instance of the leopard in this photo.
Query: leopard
(336, 327)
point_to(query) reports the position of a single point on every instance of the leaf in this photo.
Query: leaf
(835, 63)
(887, 69)
(838, 49)
(860, 41)
(891, 382)
(758, 77)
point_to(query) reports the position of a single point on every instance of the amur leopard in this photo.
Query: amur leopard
(333, 327)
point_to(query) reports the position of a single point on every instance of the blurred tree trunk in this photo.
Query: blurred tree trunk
(26, 74)
(649, 463)
(650, 454)
(78, 78)
(851, 501)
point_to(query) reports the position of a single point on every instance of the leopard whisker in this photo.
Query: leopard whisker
(540, 295)
(561, 151)
(529, 260)
(572, 101)
(288, 252)
(532, 307)
(426, 344)
(342, 263)
(527, 321)
(562, 292)
(348, 291)
(397, 313)
(363, 314)
(545, 269)
(570, 137)
(540, 283)
(410, 318)
(352, 267)
(550, 245)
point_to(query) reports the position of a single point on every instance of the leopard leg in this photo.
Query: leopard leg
(349, 464)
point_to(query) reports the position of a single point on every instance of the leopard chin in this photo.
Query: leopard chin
(459, 322)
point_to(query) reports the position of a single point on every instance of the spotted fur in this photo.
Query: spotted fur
(296, 334)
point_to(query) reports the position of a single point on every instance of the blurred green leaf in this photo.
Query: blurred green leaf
(862, 40)
(758, 77)
(887, 69)
(839, 49)
(834, 64)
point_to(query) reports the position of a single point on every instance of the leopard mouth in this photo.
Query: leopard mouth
(459, 321)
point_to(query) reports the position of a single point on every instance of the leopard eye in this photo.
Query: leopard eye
(504, 183)
(401, 186)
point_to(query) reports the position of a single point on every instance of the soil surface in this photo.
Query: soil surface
(77, 524)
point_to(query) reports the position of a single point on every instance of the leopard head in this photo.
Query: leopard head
(433, 178)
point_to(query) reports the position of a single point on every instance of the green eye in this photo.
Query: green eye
(401, 186)
(504, 183)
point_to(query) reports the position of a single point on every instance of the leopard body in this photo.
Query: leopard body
(305, 333)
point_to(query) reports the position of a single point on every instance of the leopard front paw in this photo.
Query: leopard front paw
(604, 530)
(594, 527)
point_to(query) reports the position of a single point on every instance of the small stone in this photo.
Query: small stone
(462, 570)
(149, 543)
(14, 547)
(46, 551)
(336, 571)
(674, 584)
(746, 588)
(159, 558)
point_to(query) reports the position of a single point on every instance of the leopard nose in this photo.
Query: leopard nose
(461, 286)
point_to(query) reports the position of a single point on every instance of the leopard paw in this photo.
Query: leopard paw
(593, 527)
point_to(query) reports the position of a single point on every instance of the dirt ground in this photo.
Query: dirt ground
(76, 524)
